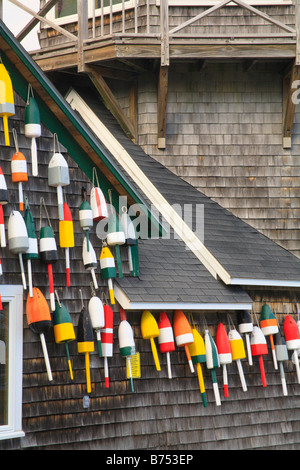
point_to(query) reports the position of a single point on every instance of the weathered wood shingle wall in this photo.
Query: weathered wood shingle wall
(224, 136)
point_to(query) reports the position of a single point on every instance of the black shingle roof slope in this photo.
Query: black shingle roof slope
(242, 251)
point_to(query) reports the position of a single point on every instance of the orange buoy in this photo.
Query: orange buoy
(183, 334)
(19, 170)
(39, 320)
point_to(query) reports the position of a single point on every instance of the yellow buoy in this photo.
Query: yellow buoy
(150, 330)
(7, 107)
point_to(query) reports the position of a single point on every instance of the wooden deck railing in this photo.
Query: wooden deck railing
(104, 19)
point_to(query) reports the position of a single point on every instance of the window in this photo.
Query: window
(67, 9)
(11, 347)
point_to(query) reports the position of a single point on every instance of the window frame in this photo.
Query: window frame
(74, 18)
(13, 295)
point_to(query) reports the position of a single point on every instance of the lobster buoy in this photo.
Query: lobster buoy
(32, 251)
(39, 321)
(116, 237)
(150, 331)
(96, 312)
(85, 342)
(19, 174)
(269, 327)
(245, 327)
(126, 343)
(98, 204)
(130, 236)
(108, 270)
(7, 106)
(183, 334)
(2, 228)
(212, 363)
(292, 339)
(48, 254)
(66, 238)
(238, 352)
(63, 329)
(198, 355)
(166, 339)
(58, 176)
(18, 241)
(224, 351)
(282, 355)
(89, 260)
(259, 348)
(32, 129)
(107, 339)
(86, 219)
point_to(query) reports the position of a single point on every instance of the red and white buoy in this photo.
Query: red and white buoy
(166, 339)
(224, 351)
(18, 241)
(259, 348)
(292, 339)
(107, 339)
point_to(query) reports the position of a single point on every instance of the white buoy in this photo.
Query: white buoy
(58, 176)
(90, 260)
(18, 241)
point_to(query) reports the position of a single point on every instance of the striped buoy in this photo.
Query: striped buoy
(85, 342)
(166, 339)
(48, 254)
(126, 342)
(89, 260)
(66, 238)
(292, 339)
(107, 339)
(130, 236)
(18, 241)
(224, 351)
(86, 219)
(39, 321)
(259, 348)
(96, 312)
(63, 329)
(32, 251)
(269, 327)
(238, 352)
(7, 106)
(183, 334)
(2, 228)
(108, 270)
(98, 204)
(245, 327)
(282, 355)
(19, 174)
(149, 329)
(58, 176)
(198, 355)
(32, 128)
(212, 363)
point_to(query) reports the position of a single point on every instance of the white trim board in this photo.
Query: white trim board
(126, 303)
(208, 260)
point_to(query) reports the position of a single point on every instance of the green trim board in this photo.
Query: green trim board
(74, 149)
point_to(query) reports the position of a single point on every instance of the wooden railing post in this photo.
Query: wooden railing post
(164, 31)
(163, 75)
(82, 12)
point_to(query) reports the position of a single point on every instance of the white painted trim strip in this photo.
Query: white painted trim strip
(264, 282)
(125, 303)
(148, 188)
